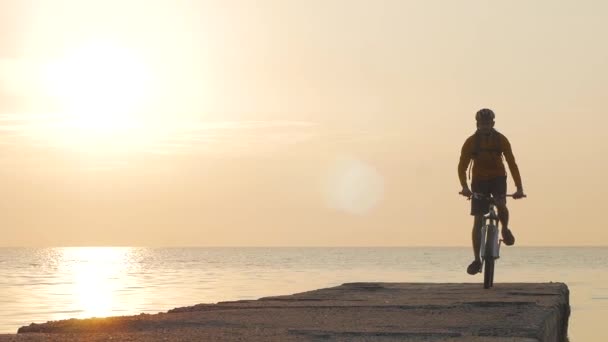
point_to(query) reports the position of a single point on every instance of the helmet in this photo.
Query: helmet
(484, 115)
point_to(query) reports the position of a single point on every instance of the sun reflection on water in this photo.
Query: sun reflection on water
(97, 273)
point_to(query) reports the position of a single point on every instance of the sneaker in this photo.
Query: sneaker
(474, 267)
(508, 237)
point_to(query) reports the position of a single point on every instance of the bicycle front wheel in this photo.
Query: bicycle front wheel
(488, 272)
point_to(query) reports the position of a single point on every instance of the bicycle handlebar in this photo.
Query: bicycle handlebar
(479, 195)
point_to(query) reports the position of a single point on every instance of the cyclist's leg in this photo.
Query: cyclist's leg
(476, 236)
(499, 190)
(475, 266)
(503, 216)
(503, 212)
(479, 208)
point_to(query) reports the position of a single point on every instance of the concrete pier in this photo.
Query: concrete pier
(350, 312)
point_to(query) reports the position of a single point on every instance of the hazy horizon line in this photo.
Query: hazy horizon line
(287, 246)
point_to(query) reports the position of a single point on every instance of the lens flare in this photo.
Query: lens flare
(353, 186)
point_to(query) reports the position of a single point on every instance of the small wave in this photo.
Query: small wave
(50, 283)
(68, 311)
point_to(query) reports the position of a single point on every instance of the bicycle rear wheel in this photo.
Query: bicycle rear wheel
(488, 272)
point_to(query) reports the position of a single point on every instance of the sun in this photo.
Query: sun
(99, 86)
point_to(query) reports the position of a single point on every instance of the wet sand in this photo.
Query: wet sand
(350, 312)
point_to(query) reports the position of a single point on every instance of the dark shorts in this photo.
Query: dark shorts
(495, 186)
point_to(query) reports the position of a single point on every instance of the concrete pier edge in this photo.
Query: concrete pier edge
(352, 311)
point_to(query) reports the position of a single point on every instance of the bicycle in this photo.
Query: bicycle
(490, 241)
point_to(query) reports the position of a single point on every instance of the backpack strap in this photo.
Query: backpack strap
(498, 141)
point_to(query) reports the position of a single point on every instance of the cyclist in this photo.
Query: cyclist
(485, 150)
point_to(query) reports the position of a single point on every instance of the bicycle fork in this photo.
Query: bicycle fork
(494, 250)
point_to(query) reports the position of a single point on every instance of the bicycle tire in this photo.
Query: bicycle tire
(488, 272)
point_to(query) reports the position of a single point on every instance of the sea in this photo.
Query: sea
(44, 284)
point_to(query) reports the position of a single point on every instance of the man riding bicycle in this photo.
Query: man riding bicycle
(485, 149)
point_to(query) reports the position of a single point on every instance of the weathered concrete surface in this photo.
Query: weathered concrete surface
(350, 312)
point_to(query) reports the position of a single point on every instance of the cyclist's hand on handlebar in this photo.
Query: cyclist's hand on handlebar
(466, 192)
(518, 194)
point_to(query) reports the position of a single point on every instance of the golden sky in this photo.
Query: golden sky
(294, 123)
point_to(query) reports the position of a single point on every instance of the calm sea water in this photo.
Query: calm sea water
(38, 285)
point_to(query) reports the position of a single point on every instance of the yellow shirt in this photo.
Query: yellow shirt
(488, 163)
